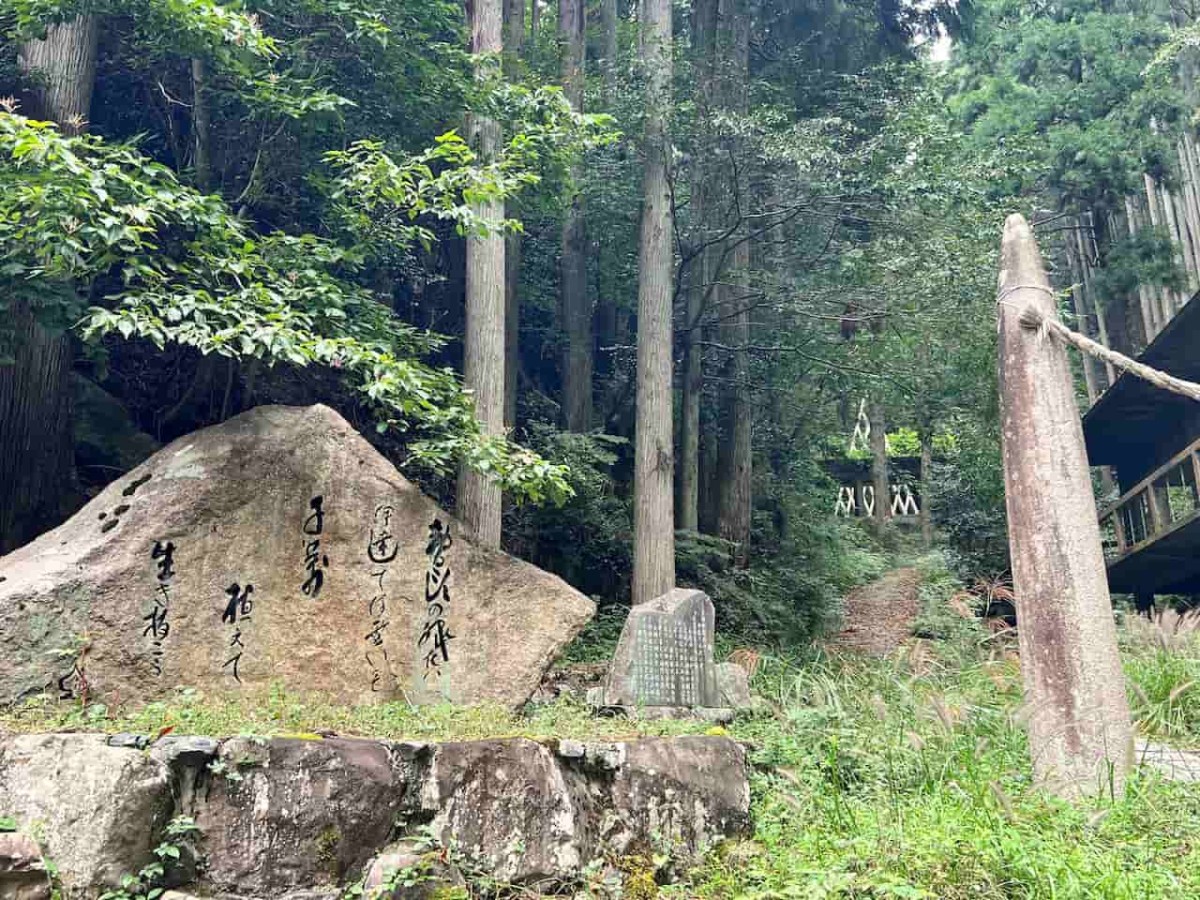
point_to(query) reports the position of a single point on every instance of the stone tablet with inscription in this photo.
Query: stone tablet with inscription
(276, 549)
(665, 655)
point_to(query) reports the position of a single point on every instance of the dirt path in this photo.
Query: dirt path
(878, 615)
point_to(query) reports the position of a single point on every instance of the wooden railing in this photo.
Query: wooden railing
(1158, 505)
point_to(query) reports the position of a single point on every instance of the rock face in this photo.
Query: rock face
(303, 818)
(285, 814)
(97, 808)
(277, 547)
(23, 874)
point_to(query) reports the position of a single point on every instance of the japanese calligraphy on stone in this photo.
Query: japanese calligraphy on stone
(315, 562)
(382, 548)
(157, 625)
(670, 663)
(435, 638)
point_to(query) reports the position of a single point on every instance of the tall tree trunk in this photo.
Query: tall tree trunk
(483, 367)
(733, 517)
(36, 447)
(608, 52)
(36, 452)
(514, 46)
(202, 159)
(879, 465)
(653, 524)
(732, 73)
(1079, 726)
(535, 23)
(65, 63)
(692, 388)
(576, 310)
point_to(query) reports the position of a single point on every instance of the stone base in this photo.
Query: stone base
(304, 818)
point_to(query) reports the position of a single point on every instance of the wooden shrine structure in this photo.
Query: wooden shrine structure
(856, 492)
(1145, 440)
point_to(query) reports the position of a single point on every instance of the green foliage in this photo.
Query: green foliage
(184, 270)
(191, 25)
(911, 778)
(149, 882)
(1074, 76)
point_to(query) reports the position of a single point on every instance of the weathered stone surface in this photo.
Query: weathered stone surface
(97, 809)
(524, 816)
(292, 818)
(23, 874)
(433, 876)
(508, 805)
(277, 547)
(286, 814)
(1080, 735)
(675, 795)
(665, 654)
(733, 687)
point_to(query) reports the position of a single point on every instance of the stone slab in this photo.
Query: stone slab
(664, 657)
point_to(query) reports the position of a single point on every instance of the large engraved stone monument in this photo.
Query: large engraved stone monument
(276, 548)
(664, 659)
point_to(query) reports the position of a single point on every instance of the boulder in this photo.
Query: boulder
(98, 809)
(276, 547)
(288, 814)
(23, 874)
(675, 796)
(733, 686)
(301, 819)
(510, 807)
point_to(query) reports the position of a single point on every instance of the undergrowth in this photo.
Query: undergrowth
(276, 712)
(907, 777)
(910, 778)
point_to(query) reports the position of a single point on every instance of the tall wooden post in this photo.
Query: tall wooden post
(1079, 728)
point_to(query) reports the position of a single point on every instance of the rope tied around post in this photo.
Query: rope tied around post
(1033, 319)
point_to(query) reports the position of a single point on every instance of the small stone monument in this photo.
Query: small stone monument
(664, 661)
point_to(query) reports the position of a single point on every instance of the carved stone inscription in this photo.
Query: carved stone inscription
(668, 664)
(278, 548)
(665, 655)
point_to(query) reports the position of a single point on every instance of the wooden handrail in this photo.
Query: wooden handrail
(1150, 479)
(1157, 525)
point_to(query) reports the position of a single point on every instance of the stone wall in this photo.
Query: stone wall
(298, 817)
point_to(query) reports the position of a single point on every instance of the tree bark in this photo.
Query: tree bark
(926, 508)
(512, 326)
(65, 63)
(734, 498)
(483, 367)
(202, 159)
(692, 387)
(608, 52)
(514, 47)
(36, 450)
(36, 446)
(1079, 728)
(578, 361)
(654, 525)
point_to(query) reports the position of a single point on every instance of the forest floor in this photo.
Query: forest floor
(878, 616)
